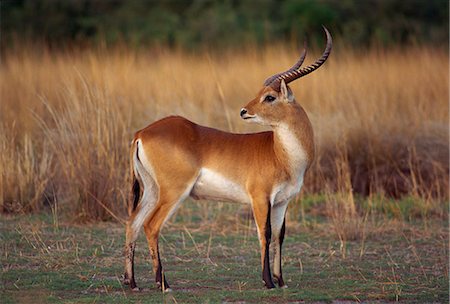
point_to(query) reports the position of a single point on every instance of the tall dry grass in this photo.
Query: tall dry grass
(380, 119)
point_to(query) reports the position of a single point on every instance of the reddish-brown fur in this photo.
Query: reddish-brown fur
(174, 158)
(179, 148)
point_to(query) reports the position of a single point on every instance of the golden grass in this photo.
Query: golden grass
(380, 119)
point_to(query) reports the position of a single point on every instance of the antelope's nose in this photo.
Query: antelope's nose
(243, 112)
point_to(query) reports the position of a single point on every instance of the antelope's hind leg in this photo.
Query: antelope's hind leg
(169, 199)
(134, 224)
(130, 242)
(128, 278)
(138, 215)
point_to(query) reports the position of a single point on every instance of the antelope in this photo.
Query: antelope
(174, 158)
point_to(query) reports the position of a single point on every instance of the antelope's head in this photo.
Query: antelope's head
(276, 98)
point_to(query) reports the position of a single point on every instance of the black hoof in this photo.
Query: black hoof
(165, 288)
(269, 285)
(127, 281)
(280, 282)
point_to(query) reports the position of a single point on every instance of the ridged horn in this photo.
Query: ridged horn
(296, 66)
(296, 72)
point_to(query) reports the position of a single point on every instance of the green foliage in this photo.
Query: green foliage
(196, 23)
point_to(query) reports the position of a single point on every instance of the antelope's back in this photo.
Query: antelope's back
(174, 140)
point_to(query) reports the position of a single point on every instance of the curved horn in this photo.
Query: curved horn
(295, 73)
(296, 66)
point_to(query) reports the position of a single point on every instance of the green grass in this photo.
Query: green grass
(215, 260)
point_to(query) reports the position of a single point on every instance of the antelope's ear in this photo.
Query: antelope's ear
(286, 92)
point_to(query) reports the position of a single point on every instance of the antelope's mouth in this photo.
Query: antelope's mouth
(248, 116)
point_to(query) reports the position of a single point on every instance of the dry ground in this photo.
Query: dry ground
(216, 259)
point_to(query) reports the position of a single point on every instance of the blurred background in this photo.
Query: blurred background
(192, 24)
(78, 78)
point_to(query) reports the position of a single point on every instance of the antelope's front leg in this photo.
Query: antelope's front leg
(278, 224)
(261, 212)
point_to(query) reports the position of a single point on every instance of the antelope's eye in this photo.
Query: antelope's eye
(269, 98)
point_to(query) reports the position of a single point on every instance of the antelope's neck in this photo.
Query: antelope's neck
(294, 142)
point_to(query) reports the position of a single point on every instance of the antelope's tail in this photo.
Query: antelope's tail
(135, 188)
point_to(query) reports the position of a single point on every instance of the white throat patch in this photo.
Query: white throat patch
(298, 161)
(294, 149)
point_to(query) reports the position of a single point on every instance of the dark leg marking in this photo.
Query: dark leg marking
(281, 239)
(267, 277)
(160, 277)
(159, 273)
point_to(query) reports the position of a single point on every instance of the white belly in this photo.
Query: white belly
(211, 185)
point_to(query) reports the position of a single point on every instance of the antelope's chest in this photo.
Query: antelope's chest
(296, 162)
(285, 191)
